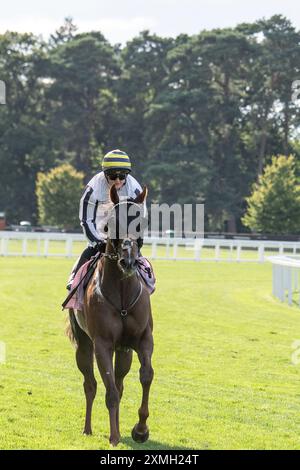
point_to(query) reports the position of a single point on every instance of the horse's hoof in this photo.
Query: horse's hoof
(139, 437)
(87, 432)
(114, 441)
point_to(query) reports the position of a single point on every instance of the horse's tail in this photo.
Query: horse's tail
(72, 328)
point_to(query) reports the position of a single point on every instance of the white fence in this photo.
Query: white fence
(71, 245)
(286, 277)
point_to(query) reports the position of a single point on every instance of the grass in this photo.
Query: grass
(224, 377)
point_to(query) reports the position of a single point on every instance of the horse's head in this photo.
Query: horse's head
(125, 228)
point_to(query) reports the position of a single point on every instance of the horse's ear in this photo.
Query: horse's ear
(114, 195)
(142, 196)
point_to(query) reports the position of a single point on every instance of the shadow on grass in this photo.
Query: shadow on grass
(150, 445)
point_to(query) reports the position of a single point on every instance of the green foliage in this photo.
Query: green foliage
(22, 128)
(274, 205)
(58, 193)
(199, 115)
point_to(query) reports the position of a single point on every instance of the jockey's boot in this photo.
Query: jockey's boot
(83, 258)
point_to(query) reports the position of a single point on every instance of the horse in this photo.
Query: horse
(116, 320)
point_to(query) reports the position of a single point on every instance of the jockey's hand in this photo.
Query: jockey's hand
(101, 245)
(140, 242)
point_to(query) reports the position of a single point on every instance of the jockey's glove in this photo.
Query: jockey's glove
(140, 242)
(101, 245)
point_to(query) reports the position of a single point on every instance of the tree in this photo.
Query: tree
(23, 137)
(65, 33)
(80, 73)
(58, 193)
(199, 115)
(229, 54)
(274, 205)
(144, 70)
(269, 113)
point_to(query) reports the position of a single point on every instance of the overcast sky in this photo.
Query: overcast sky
(121, 20)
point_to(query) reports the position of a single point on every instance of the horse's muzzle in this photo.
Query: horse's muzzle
(128, 265)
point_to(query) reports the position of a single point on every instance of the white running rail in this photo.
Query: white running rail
(286, 276)
(70, 245)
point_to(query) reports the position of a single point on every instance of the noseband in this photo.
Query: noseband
(127, 244)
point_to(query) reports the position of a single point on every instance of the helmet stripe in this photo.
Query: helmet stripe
(115, 159)
(119, 164)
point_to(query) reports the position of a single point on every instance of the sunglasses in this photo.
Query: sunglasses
(114, 176)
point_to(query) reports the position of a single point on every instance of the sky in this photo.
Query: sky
(121, 20)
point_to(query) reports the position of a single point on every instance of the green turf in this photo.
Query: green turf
(224, 377)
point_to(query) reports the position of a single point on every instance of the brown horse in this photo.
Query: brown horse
(116, 319)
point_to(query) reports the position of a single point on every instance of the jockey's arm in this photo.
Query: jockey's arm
(87, 215)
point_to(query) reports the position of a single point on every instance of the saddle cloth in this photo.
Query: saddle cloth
(145, 272)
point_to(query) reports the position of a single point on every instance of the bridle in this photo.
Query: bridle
(127, 244)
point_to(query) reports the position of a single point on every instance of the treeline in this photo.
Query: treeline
(199, 115)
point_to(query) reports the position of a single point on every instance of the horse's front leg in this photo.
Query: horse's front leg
(123, 360)
(140, 432)
(104, 355)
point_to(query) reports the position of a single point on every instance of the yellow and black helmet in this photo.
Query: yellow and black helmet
(116, 160)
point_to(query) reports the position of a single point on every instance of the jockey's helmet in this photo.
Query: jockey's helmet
(116, 160)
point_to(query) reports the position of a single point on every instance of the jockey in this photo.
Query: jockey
(95, 203)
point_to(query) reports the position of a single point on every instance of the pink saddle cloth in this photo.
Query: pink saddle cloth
(145, 272)
(77, 299)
